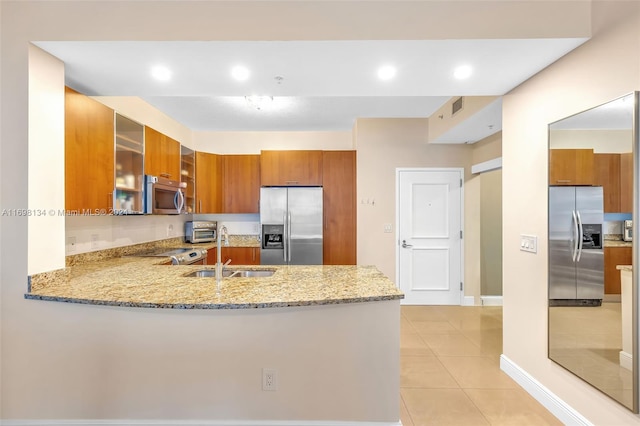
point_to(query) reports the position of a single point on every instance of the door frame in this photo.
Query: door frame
(460, 170)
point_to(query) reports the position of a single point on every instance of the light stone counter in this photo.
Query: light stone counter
(146, 282)
(617, 243)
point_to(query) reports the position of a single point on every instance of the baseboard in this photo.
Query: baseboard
(626, 360)
(118, 422)
(468, 301)
(491, 300)
(565, 413)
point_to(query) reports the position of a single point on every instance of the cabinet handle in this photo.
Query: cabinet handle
(563, 180)
(253, 254)
(200, 206)
(291, 182)
(110, 200)
(165, 175)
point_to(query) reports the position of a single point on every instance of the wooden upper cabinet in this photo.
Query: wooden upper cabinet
(241, 192)
(89, 153)
(339, 199)
(607, 174)
(209, 168)
(571, 167)
(161, 155)
(291, 168)
(626, 183)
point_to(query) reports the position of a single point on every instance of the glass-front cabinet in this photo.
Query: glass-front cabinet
(129, 167)
(187, 175)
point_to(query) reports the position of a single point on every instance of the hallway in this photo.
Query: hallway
(450, 370)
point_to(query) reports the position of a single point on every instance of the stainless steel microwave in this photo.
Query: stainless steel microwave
(163, 196)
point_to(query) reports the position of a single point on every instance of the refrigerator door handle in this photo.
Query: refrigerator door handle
(285, 237)
(580, 231)
(574, 252)
(289, 228)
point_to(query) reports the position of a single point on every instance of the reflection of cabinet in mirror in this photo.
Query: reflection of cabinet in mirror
(614, 172)
(613, 257)
(571, 167)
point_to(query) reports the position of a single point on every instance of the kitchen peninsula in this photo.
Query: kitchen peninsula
(171, 347)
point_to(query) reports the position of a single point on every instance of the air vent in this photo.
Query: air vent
(456, 106)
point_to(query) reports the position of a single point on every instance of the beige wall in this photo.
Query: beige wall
(606, 67)
(442, 120)
(602, 141)
(253, 142)
(384, 145)
(138, 110)
(487, 148)
(491, 233)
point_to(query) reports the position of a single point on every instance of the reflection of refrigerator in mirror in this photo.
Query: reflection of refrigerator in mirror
(576, 257)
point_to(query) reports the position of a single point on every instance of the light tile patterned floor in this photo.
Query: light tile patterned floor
(450, 370)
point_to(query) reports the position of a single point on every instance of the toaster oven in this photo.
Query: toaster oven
(200, 231)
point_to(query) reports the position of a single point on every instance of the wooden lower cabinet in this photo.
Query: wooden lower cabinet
(238, 255)
(614, 256)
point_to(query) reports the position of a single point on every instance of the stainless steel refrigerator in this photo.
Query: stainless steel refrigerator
(291, 223)
(576, 257)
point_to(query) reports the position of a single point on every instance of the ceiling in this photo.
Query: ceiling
(315, 85)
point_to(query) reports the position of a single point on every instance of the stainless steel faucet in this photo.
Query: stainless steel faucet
(219, 265)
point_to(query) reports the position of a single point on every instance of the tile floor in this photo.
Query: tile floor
(450, 370)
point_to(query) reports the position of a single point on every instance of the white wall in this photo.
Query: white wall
(605, 68)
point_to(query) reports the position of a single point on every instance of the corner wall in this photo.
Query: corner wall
(604, 68)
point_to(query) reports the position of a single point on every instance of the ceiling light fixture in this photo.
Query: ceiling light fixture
(259, 101)
(161, 73)
(240, 73)
(462, 72)
(386, 72)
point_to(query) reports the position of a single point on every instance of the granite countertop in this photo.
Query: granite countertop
(148, 283)
(617, 243)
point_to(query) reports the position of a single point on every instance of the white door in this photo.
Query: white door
(430, 236)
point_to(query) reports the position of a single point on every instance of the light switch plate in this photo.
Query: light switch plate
(388, 228)
(529, 243)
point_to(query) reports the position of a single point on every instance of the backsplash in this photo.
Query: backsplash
(85, 234)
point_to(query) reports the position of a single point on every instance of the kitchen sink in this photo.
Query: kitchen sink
(232, 273)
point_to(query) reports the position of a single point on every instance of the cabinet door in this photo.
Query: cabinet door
(89, 153)
(291, 168)
(607, 174)
(241, 184)
(208, 183)
(571, 167)
(626, 183)
(238, 255)
(614, 256)
(161, 155)
(339, 184)
(241, 255)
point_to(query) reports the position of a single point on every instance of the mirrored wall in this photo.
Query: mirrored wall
(591, 210)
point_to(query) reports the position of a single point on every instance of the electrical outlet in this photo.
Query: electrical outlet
(256, 228)
(169, 230)
(94, 241)
(71, 244)
(269, 379)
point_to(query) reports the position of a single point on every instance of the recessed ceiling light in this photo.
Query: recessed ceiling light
(462, 72)
(240, 73)
(160, 72)
(386, 72)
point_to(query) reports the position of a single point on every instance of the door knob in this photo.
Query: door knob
(405, 245)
